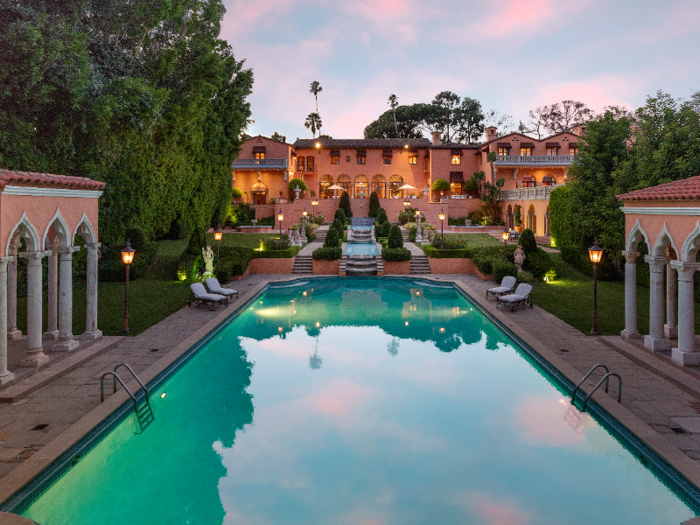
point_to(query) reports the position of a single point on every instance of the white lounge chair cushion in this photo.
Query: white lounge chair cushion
(201, 293)
(215, 287)
(521, 293)
(507, 285)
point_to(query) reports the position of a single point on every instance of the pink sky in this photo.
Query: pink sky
(512, 56)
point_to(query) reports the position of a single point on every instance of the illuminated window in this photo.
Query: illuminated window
(335, 159)
(413, 159)
(456, 188)
(259, 156)
(379, 185)
(456, 160)
(310, 164)
(548, 180)
(573, 150)
(395, 182)
(300, 163)
(323, 185)
(387, 159)
(526, 152)
(361, 159)
(552, 152)
(361, 187)
(503, 152)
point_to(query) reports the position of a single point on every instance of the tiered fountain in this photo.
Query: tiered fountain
(361, 252)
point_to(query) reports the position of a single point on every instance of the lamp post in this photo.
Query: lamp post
(505, 234)
(127, 258)
(280, 217)
(406, 203)
(441, 215)
(596, 254)
(314, 204)
(419, 232)
(217, 235)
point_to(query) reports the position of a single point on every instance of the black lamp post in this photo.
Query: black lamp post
(505, 235)
(406, 203)
(596, 254)
(441, 216)
(217, 236)
(127, 258)
(280, 217)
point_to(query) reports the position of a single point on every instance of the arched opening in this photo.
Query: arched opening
(509, 217)
(323, 185)
(379, 185)
(361, 190)
(344, 182)
(395, 182)
(529, 182)
(546, 221)
(259, 192)
(532, 219)
(548, 180)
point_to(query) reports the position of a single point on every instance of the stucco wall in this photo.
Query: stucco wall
(280, 266)
(447, 266)
(397, 268)
(326, 267)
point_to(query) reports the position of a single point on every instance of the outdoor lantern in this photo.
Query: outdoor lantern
(128, 253)
(595, 252)
(218, 234)
(217, 237)
(280, 216)
(505, 234)
(406, 203)
(441, 215)
(304, 213)
(318, 144)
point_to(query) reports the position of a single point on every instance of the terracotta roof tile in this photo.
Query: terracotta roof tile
(46, 180)
(686, 189)
(361, 143)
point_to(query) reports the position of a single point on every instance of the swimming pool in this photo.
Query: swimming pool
(360, 401)
(361, 248)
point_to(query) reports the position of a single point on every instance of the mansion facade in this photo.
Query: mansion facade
(400, 168)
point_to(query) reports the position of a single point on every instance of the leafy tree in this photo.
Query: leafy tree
(557, 118)
(236, 193)
(345, 205)
(468, 121)
(504, 122)
(295, 184)
(447, 102)
(491, 200)
(440, 185)
(393, 104)
(313, 122)
(279, 138)
(395, 239)
(373, 204)
(315, 89)
(408, 123)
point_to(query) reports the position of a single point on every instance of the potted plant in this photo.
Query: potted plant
(440, 185)
(518, 220)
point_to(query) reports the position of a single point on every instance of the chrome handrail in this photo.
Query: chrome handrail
(116, 378)
(606, 377)
(573, 394)
(135, 377)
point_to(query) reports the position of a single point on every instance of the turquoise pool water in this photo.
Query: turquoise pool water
(359, 402)
(369, 248)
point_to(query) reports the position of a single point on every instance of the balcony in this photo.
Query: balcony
(531, 193)
(256, 164)
(534, 160)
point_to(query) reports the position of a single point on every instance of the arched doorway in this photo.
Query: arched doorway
(532, 219)
(509, 217)
(395, 182)
(548, 180)
(379, 185)
(259, 192)
(323, 185)
(344, 182)
(361, 190)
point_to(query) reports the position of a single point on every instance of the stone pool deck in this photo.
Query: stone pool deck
(658, 407)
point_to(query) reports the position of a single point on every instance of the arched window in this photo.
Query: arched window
(323, 184)
(361, 187)
(395, 182)
(344, 182)
(259, 192)
(528, 182)
(548, 180)
(379, 185)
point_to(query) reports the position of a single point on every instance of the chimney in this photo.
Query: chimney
(436, 138)
(491, 133)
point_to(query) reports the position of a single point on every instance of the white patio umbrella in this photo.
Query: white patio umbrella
(335, 187)
(407, 187)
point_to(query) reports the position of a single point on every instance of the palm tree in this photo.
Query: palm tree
(313, 122)
(393, 104)
(315, 90)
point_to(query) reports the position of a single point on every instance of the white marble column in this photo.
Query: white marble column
(35, 356)
(630, 331)
(65, 343)
(685, 354)
(12, 331)
(670, 328)
(655, 341)
(5, 375)
(93, 255)
(52, 306)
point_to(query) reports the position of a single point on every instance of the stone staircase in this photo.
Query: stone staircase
(303, 265)
(321, 233)
(404, 233)
(420, 265)
(361, 265)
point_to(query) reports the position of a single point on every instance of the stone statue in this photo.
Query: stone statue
(519, 258)
(208, 255)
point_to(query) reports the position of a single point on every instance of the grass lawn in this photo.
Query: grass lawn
(474, 240)
(570, 298)
(242, 240)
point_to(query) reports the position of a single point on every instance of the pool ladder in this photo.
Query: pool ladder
(144, 414)
(606, 378)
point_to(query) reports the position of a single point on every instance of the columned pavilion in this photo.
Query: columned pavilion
(47, 212)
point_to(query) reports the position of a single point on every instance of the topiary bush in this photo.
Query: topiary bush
(395, 238)
(373, 204)
(396, 254)
(340, 215)
(526, 277)
(527, 241)
(502, 269)
(327, 254)
(345, 205)
(382, 216)
(332, 239)
(293, 185)
(339, 226)
(538, 263)
(383, 229)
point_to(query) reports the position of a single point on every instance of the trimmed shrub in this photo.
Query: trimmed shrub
(538, 263)
(502, 269)
(395, 237)
(344, 205)
(526, 277)
(275, 243)
(293, 185)
(277, 254)
(440, 186)
(267, 221)
(223, 274)
(382, 216)
(339, 226)
(332, 239)
(396, 254)
(527, 241)
(559, 217)
(383, 229)
(236, 193)
(327, 254)
(373, 204)
(436, 253)
(340, 215)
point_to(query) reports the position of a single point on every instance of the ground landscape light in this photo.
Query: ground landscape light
(162, 395)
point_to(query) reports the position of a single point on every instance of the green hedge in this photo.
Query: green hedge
(436, 253)
(500, 270)
(277, 254)
(327, 254)
(396, 254)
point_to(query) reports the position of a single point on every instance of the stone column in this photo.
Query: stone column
(35, 356)
(5, 375)
(655, 341)
(65, 343)
(12, 331)
(93, 255)
(670, 328)
(630, 331)
(685, 354)
(52, 306)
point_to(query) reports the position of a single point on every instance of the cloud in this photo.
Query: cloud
(513, 16)
(494, 511)
(545, 421)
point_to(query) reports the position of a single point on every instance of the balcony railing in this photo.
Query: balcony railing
(261, 163)
(535, 160)
(519, 194)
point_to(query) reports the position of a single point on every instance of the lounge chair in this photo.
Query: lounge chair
(202, 297)
(507, 286)
(214, 287)
(521, 296)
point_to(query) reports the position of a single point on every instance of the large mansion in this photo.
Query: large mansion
(530, 167)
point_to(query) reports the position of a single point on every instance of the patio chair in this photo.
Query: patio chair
(520, 297)
(514, 236)
(214, 287)
(507, 286)
(201, 297)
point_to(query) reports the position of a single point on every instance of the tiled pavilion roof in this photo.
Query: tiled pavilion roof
(46, 180)
(686, 189)
(362, 143)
